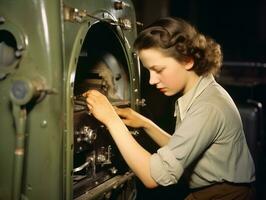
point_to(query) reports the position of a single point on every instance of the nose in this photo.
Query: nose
(153, 78)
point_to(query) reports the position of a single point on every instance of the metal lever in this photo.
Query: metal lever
(20, 117)
(86, 164)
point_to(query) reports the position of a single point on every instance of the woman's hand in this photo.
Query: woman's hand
(131, 118)
(99, 106)
(102, 109)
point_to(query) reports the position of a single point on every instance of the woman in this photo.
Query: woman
(208, 143)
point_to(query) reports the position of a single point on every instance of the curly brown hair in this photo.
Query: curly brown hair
(178, 38)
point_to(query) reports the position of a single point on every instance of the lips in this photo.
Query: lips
(162, 89)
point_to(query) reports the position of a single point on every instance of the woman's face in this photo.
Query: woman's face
(166, 73)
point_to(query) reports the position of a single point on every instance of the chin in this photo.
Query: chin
(169, 94)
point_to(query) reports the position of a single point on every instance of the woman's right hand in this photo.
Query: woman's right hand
(131, 118)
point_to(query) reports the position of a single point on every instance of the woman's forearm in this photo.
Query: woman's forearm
(133, 119)
(156, 133)
(135, 155)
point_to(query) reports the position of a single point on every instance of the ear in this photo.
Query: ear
(189, 64)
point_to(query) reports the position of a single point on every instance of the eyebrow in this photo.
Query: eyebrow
(155, 66)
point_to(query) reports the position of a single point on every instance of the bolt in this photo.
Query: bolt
(2, 20)
(18, 54)
(20, 47)
(44, 124)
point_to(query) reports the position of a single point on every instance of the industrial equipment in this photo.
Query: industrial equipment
(51, 52)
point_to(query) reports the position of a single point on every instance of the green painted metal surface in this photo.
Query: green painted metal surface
(36, 153)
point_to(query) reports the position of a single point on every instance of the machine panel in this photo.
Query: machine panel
(51, 52)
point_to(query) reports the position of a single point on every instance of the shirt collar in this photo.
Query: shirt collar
(185, 101)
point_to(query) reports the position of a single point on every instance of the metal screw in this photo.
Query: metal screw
(44, 124)
(2, 20)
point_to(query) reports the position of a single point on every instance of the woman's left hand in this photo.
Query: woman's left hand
(100, 106)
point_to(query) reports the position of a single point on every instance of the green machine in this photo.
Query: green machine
(51, 147)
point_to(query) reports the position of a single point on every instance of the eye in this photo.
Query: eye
(159, 70)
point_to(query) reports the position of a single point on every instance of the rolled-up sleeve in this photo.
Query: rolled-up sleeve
(194, 135)
(165, 168)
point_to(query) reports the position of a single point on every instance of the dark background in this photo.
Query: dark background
(240, 28)
(239, 25)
